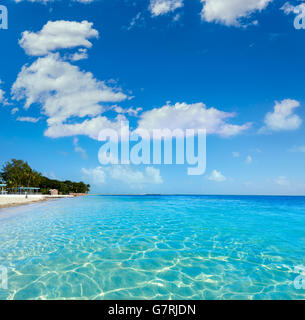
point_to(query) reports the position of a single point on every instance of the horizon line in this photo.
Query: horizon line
(194, 194)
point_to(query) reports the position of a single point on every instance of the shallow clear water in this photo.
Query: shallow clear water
(170, 247)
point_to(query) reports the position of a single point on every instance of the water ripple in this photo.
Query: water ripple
(154, 248)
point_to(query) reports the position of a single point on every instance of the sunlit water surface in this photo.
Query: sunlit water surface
(170, 247)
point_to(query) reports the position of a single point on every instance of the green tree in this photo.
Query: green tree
(18, 173)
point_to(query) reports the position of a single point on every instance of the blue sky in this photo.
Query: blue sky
(246, 59)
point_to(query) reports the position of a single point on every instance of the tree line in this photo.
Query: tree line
(18, 173)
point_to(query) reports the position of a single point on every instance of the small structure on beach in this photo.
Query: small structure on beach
(28, 190)
(2, 186)
(53, 192)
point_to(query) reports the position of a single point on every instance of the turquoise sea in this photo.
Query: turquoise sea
(154, 247)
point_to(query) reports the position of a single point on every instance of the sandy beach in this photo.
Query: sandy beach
(7, 201)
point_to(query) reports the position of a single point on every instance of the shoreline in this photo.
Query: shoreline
(10, 201)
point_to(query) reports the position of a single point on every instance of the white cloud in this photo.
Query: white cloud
(14, 110)
(248, 183)
(231, 12)
(28, 119)
(162, 7)
(89, 127)
(2, 93)
(80, 55)
(282, 181)
(3, 100)
(177, 17)
(191, 116)
(96, 176)
(289, 8)
(235, 154)
(129, 111)
(125, 174)
(217, 176)
(84, 1)
(298, 149)
(62, 90)
(57, 35)
(79, 149)
(283, 118)
(249, 160)
(138, 19)
(129, 176)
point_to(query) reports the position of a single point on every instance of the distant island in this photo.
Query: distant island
(17, 175)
